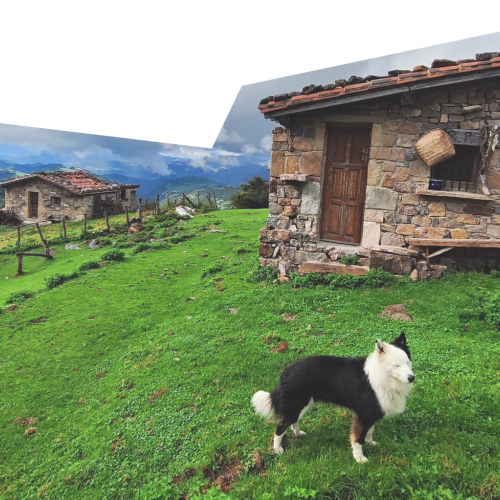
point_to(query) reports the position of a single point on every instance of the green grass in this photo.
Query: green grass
(140, 373)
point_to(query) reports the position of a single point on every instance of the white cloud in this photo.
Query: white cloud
(266, 143)
(250, 149)
(232, 137)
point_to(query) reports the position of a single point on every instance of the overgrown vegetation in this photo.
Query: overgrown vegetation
(9, 217)
(252, 194)
(134, 379)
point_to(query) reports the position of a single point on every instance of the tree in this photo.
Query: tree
(253, 194)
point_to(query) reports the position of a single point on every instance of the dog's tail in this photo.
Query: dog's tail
(263, 403)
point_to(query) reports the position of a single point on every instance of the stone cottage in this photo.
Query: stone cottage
(346, 179)
(66, 194)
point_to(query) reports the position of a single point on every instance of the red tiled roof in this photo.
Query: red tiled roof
(341, 89)
(79, 182)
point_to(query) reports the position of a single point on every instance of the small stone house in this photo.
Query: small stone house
(59, 194)
(346, 178)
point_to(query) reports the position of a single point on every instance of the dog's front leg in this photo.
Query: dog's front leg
(359, 431)
(369, 436)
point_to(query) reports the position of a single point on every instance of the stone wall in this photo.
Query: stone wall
(394, 210)
(72, 206)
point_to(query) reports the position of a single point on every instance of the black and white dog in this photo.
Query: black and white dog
(372, 387)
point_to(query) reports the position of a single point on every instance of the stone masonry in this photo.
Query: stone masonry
(397, 204)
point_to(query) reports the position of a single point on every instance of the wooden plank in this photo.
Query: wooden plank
(439, 252)
(454, 243)
(329, 268)
(27, 254)
(19, 263)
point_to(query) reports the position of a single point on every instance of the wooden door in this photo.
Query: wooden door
(33, 205)
(344, 184)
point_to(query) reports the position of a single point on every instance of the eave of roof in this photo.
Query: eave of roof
(297, 102)
(63, 180)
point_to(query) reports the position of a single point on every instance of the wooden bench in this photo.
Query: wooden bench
(449, 244)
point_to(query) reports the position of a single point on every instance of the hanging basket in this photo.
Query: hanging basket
(435, 147)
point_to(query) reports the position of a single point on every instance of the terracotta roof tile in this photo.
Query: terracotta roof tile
(78, 182)
(440, 68)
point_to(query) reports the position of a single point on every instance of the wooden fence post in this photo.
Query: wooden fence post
(64, 227)
(215, 200)
(107, 220)
(85, 224)
(157, 204)
(209, 200)
(140, 209)
(168, 201)
(126, 214)
(45, 243)
(19, 256)
(198, 196)
(18, 236)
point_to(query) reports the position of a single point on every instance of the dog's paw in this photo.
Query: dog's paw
(279, 450)
(372, 443)
(360, 459)
(301, 433)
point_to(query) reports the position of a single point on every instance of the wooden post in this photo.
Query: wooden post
(107, 220)
(215, 200)
(168, 201)
(18, 236)
(157, 204)
(64, 227)
(85, 224)
(19, 256)
(198, 196)
(209, 200)
(128, 218)
(140, 209)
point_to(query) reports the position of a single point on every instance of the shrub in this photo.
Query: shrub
(260, 274)
(124, 244)
(90, 264)
(113, 255)
(182, 237)
(350, 260)
(307, 281)
(141, 247)
(253, 194)
(58, 279)
(377, 278)
(16, 297)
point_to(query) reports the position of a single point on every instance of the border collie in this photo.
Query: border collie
(372, 387)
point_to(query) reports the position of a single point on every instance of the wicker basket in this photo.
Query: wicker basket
(435, 147)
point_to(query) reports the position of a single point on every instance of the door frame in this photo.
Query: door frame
(329, 126)
(29, 216)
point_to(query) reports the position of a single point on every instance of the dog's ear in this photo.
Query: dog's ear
(401, 340)
(379, 346)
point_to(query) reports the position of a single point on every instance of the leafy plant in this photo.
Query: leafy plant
(113, 255)
(350, 260)
(17, 297)
(90, 264)
(253, 194)
(58, 279)
(261, 274)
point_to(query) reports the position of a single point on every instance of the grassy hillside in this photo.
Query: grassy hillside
(134, 380)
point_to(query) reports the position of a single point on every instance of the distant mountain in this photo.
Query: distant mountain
(224, 174)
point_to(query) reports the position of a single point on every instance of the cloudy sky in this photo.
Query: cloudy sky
(244, 133)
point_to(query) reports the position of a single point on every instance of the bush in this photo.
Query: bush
(143, 247)
(17, 297)
(182, 237)
(124, 244)
(113, 255)
(261, 274)
(377, 278)
(350, 260)
(58, 279)
(253, 194)
(90, 264)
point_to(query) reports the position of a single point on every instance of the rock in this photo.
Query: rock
(397, 312)
(94, 244)
(185, 211)
(233, 310)
(414, 275)
(380, 198)
(70, 246)
(135, 228)
(395, 264)
(311, 196)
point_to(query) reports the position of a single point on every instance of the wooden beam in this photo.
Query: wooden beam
(439, 252)
(454, 243)
(28, 254)
(19, 263)
(329, 268)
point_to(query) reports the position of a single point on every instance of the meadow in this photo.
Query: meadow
(132, 379)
